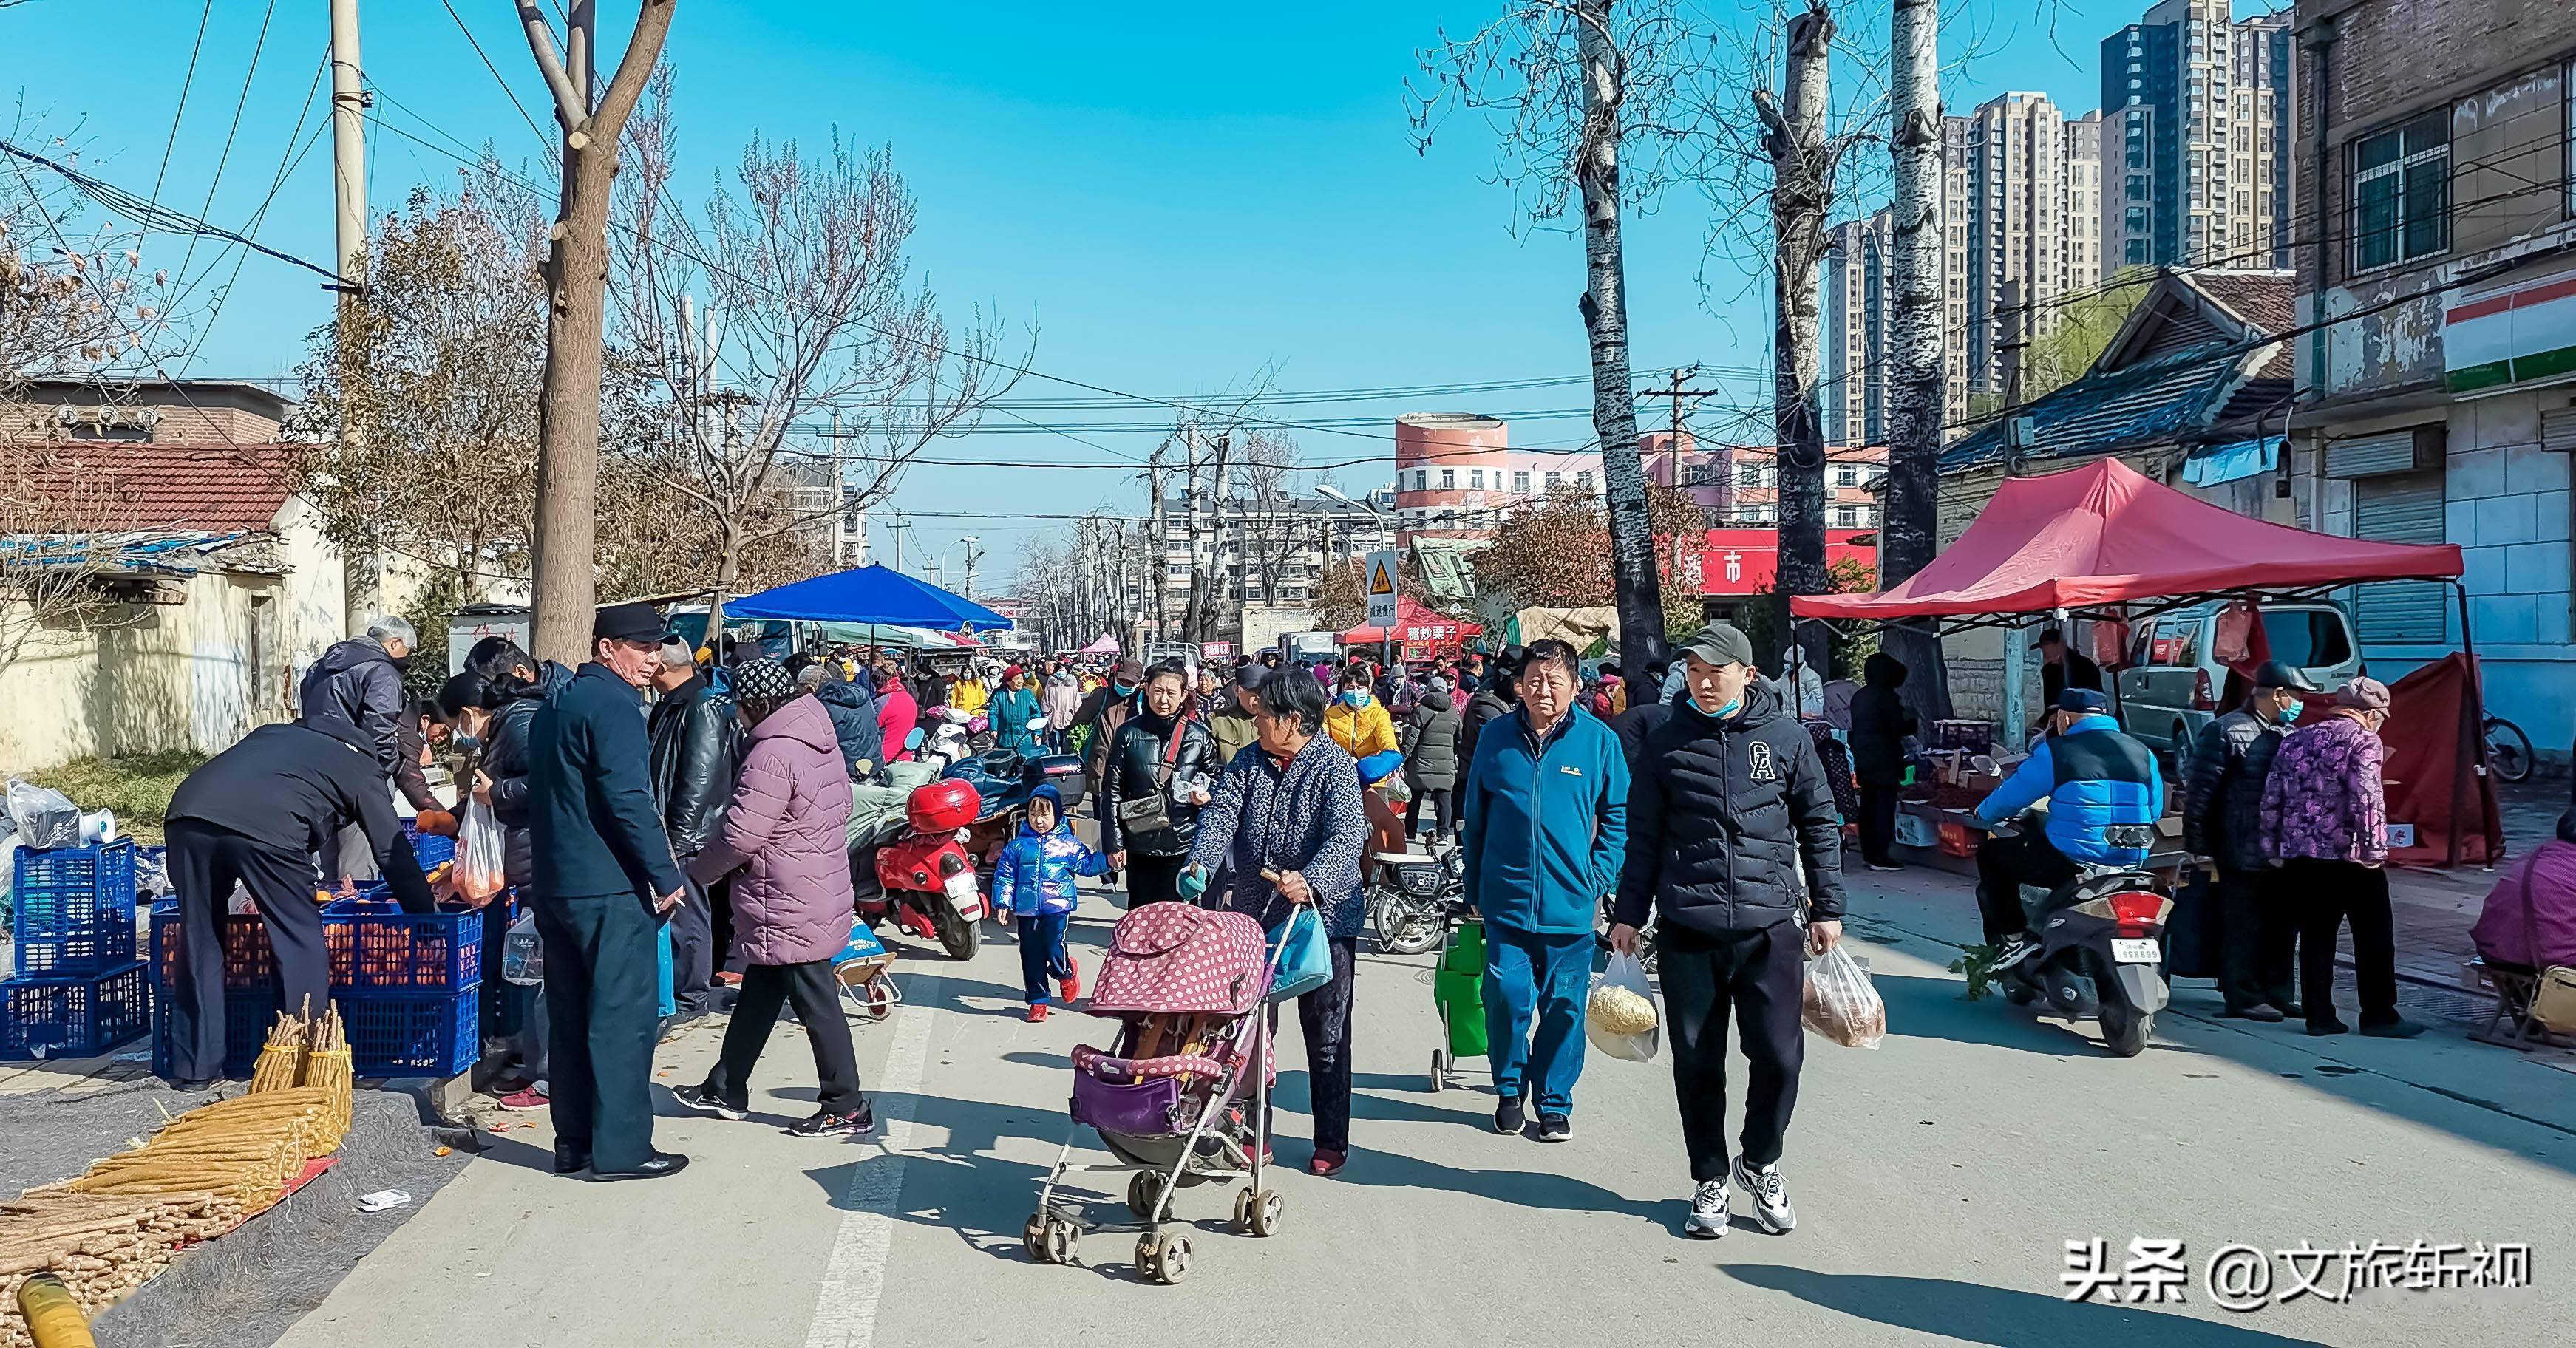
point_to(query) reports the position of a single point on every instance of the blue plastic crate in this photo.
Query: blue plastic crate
(73, 1017)
(432, 849)
(72, 909)
(376, 946)
(413, 1034)
(248, 1012)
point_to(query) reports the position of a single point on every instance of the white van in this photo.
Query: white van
(2176, 683)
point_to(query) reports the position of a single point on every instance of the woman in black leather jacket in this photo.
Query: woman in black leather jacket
(1162, 750)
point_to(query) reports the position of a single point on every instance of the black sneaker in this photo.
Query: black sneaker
(1555, 1128)
(827, 1124)
(1510, 1116)
(704, 1101)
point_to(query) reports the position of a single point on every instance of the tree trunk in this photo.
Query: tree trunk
(1917, 357)
(728, 570)
(1801, 192)
(1635, 580)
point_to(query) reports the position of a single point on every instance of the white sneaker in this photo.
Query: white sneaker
(1709, 1209)
(1770, 1196)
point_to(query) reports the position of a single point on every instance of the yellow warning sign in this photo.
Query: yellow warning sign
(1381, 588)
(1380, 582)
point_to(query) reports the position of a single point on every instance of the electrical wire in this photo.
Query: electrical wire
(231, 133)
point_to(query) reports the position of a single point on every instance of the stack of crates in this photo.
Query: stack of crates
(75, 988)
(408, 985)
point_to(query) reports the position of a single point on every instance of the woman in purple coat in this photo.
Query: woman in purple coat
(785, 830)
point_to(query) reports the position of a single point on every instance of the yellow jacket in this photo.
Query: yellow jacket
(1362, 730)
(968, 696)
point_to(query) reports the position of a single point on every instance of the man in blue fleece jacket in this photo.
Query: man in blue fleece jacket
(1544, 819)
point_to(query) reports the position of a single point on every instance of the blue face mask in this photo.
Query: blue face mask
(461, 740)
(2291, 712)
(1122, 690)
(1356, 697)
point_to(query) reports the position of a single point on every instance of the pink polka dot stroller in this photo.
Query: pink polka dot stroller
(1183, 1096)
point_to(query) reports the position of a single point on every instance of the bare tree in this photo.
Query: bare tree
(1272, 530)
(810, 306)
(568, 412)
(1916, 351)
(454, 331)
(60, 521)
(1571, 87)
(1803, 156)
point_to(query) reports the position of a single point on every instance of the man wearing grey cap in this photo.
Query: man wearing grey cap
(1732, 839)
(2325, 823)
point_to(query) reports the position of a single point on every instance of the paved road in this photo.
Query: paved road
(1937, 1181)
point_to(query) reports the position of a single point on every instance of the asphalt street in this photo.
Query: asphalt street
(1938, 1181)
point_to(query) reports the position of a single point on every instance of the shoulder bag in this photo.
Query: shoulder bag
(1151, 813)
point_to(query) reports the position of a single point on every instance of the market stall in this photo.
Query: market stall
(2105, 543)
(870, 594)
(1423, 633)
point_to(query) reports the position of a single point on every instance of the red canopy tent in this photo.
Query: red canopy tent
(1424, 632)
(2094, 540)
(2105, 534)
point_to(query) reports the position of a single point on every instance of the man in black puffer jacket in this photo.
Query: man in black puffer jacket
(1732, 834)
(853, 709)
(2222, 819)
(1499, 696)
(695, 748)
(1430, 741)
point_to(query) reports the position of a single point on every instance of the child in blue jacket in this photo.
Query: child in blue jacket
(1034, 881)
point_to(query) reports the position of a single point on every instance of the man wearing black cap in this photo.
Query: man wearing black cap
(2062, 668)
(2222, 819)
(605, 881)
(2095, 778)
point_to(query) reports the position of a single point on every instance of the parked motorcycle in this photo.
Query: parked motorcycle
(913, 866)
(1414, 900)
(2096, 951)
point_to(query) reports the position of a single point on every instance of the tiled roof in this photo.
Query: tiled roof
(2265, 300)
(216, 489)
(2106, 411)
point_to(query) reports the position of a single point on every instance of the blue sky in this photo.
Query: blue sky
(1173, 196)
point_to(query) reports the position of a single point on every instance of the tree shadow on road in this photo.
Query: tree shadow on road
(1972, 1313)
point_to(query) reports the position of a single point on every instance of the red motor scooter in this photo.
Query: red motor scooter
(925, 879)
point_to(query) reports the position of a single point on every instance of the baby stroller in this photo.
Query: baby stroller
(1181, 1100)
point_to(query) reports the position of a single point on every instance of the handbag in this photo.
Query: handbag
(1301, 960)
(1152, 813)
(2553, 987)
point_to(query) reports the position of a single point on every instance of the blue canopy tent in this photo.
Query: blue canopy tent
(870, 594)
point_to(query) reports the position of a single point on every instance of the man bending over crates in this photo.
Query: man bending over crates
(255, 815)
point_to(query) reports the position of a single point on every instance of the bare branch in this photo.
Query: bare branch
(569, 113)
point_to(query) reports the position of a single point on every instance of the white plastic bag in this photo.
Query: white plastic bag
(45, 817)
(1840, 1003)
(1612, 1016)
(479, 842)
(523, 953)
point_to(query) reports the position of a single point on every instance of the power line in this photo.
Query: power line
(506, 90)
(155, 215)
(186, 83)
(231, 132)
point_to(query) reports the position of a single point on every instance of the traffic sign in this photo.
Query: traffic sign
(1381, 588)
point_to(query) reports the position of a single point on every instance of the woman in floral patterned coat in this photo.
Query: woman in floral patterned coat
(2325, 824)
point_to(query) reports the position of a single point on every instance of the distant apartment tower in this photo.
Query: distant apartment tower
(2034, 192)
(1857, 289)
(2195, 127)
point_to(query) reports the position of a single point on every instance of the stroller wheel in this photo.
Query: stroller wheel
(1033, 1237)
(1439, 1070)
(1061, 1236)
(1266, 1208)
(1144, 1194)
(1165, 1258)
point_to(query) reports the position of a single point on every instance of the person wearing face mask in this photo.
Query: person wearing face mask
(898, 714)
(1732, 839)
(1106, 708)
(1151, 787)
(2096, 778)
(358, 682)
(2222, 820)
(1357, 721)
(2325, 825)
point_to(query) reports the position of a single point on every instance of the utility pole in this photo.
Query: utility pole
(974, 554)
(2016, 339)
(362, 578)
(1725, 465)
(1155, 549)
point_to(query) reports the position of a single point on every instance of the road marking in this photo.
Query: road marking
(853, 1287)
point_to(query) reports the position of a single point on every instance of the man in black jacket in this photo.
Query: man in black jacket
(605, 881)
(1499, 696)
(359, 681)
(254, 815)
(2222, 820)
(694, 737)
(2061, 668)
(1731, 833)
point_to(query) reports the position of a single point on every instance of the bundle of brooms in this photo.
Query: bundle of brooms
(199, 1176)
(101, 1246)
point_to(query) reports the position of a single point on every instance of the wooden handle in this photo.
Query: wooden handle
(1270, 874)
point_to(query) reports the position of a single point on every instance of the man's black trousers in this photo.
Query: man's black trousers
(816, 996)
(2004, 865)
(1757, 977)
(2258, 934)
(603, 1010)
(205, 862)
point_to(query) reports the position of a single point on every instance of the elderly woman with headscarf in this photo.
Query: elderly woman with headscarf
(1287, 828)
(1014, 715)
(786, 831)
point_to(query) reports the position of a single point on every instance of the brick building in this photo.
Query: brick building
(2436, 256)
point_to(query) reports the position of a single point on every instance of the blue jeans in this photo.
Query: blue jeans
(1542, 975)
(1042, 953)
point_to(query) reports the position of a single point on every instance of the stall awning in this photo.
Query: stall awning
(1415, 625)
(870, 594)
(2105, 534)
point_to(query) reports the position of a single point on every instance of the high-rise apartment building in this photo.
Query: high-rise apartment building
(1858, 287)
(2195, 112)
